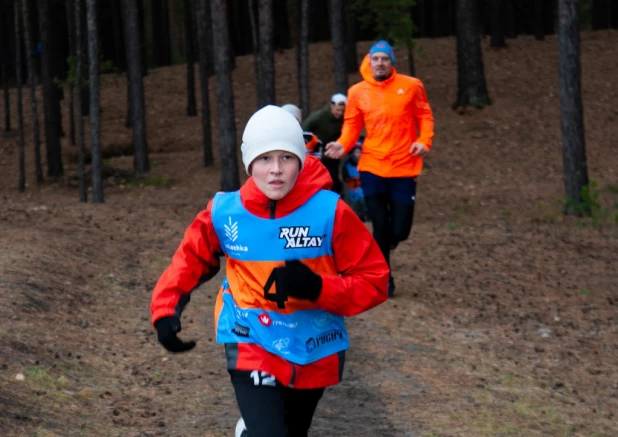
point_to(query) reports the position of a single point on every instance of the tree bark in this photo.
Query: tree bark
(257, 68)
(207, 28)
(265, 48)
(79, 44)
(571, 107)
(351, 58)
(50, 96)
(161, 44)
(83, 89)
(511, 22)
(498, 23)
(191, 104)
(203, 47)
(5, 54)
(471, 84)
(422, 18)
(71, 32)
(225, 100)
(119, 55)
(303, 57)
(539, 17)
(141, 163)
(338, 39)
(95, 119)
(411, 66)
(20, 110)
(36, 130)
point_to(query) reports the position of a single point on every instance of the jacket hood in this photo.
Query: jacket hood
(312, 178)
(365, 70)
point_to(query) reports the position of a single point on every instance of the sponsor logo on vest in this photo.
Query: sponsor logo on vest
(265, 319)
(281, 345)
(315, 342)
(241, 314)
(297, 237)
(322, 321)
(236, 247)
(241, 331)
(283, 324)
(231, 230)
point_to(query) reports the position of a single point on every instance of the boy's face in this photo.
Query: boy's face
(275, 173)
(357, 153)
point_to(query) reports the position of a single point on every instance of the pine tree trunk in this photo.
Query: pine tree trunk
(119, 55)
(191, 104)
(36, 129)
(351, 58)
(141, 163)
(161, 44)
(50, 96)
(303, 58)
(71, 32)
(203, 47)
(498, 23)
(571, 107)
(225, 100)
(257, 70)
(471, 84)
(511, 23)
(208, 51)
(83, 89)
(95, 118)
(266, 94)
(125, 26)
(338, 39)
(20, 110)
(422, 18)
(5, 55)
(539, 16)
(411, 66)
(79, 74)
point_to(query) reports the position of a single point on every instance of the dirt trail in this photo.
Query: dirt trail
(505, 319)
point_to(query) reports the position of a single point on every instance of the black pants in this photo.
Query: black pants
(391, 220)
(332, 165)
(271, 409)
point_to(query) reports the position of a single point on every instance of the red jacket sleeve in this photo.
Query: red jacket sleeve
(196, 260)
(363, 280)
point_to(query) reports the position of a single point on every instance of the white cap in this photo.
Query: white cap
(272, 128)
(338, 99)
(293, 109)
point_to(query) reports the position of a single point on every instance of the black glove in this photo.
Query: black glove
(167, 328)
(298, 280)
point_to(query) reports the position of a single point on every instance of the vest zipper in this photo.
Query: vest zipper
(273, 208)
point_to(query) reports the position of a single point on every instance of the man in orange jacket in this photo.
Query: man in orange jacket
(397, 117)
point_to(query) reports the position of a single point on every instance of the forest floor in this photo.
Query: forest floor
(505, 321)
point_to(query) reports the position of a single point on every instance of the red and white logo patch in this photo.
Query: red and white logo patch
(265, 319)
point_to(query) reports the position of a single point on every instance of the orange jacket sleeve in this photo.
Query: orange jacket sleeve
(196, 260)
(352, 123)
(363, 280)
(424, 116)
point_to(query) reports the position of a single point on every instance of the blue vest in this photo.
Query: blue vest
(302, 336)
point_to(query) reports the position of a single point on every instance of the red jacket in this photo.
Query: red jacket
(361, 284)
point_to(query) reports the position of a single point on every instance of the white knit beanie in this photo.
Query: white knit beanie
(294, 110)
(272, 128)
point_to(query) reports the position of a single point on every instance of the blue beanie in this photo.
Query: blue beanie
(383, 47)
